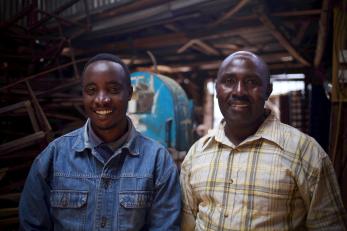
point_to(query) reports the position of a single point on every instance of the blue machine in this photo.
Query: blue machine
(161, 110)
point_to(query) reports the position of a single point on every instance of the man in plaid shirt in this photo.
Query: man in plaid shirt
(254, 172)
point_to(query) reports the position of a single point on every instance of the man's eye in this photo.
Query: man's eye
(229, 81)
(90, 90)
(251, 82)
(114, 90)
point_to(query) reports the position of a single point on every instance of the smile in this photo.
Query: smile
(240, 105)
(103, 112)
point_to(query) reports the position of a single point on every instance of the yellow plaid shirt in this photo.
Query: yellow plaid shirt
(276, 179)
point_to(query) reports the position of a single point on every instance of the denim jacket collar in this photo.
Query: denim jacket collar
(82, 141)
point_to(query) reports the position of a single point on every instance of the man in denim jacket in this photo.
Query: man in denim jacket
(105, 175)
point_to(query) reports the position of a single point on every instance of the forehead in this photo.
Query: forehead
(241, 64)
(104, 70)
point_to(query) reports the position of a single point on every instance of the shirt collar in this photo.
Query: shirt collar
(268, 130)
(84, 142)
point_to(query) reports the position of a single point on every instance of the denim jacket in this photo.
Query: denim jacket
(70, 187)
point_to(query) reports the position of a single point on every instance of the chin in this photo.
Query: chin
(104, 127)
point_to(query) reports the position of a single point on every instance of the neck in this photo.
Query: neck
(237, 132)
(112, 134)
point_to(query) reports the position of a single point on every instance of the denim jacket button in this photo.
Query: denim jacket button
(106, 182)
(103, 221)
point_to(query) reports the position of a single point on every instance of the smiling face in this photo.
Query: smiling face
(106, 92)
(242, 88)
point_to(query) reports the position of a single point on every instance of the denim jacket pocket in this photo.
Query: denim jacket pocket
(133, 209)
(135, 199)
(69, 207)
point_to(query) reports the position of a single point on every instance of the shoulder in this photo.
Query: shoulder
(60, 144)
(302, 148)
(152, 150)
(205, 144)
(144, 143)
(298, 141)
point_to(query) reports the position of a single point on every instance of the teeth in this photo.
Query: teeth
(103, 112)
(240, 105)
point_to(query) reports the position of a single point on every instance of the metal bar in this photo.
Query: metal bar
(45, 123)
(56, 12)
(60, 87)
(72, 55)
(20, 15)
(12, 107)
(21, 142)
(32, 116)
(41, 73)
(67, 21)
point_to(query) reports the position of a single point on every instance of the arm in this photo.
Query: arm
(326, 211)
(34, 211)
(166, 206)
(189, 205)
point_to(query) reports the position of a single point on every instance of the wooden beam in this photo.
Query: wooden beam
(301, 33)
(8, 212)
(322, 34)
(281, 37)
(298, 13)
(230, 13)
(208, 48)
(10, 197)
(21, 142)
(169, 39)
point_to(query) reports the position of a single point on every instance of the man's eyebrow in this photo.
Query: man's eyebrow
(90, 83)
(113, 82)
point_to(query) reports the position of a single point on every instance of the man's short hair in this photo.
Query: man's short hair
(109, 57)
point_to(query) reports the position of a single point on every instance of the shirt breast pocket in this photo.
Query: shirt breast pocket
(133, 209)
(69, 208)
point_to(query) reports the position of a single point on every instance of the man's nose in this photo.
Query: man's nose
(239, 88)
(102, 98)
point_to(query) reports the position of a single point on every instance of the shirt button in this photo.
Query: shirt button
(231, 181)
(103, 222)
(226, 214)
(106, 182)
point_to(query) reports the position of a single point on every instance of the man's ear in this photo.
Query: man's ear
(269, 90)
(130, 92)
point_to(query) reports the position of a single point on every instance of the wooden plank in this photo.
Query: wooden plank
(230, 13)
(208, 48)
(322, 34)
(3, 172)
(21, 142)
(8, 212)
(10, 197)
(281, 38)
(9, 221)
